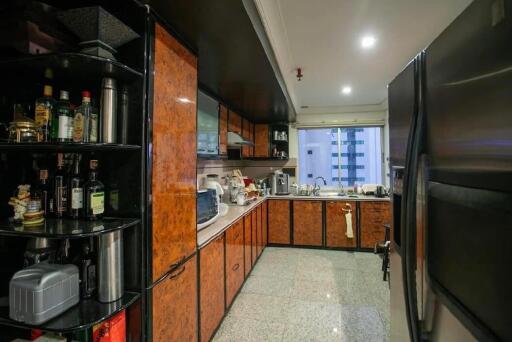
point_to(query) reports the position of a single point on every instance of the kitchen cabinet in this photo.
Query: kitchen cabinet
(223, 130)
(212, 303)
(246, 134)
(307, 223)
(259, 227)
(261, 141)
(251, 138)
(173, 189)
(234, 122)
(207, 125)
(174, 305)
(279, 221)
(264, 222)
(247, 244)
(234, 260)
(373, 216)
(336, 225)
(254, 236)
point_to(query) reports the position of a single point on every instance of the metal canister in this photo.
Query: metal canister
(108, 110)
(124, 100)
(110, 267)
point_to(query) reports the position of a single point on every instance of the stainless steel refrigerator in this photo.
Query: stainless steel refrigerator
(450, 118)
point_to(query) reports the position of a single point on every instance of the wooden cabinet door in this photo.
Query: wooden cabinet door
(254, 236)
(373, 216)
(234, 260)
(175, 305)
(259, 232)
(279, 221)
(307, 223)
(264, 223)
(336, 224)
(247, 244)
(261, 141)
(246, 134)
(212, 304)
(223, 130)
(173, 184)
(234, 122)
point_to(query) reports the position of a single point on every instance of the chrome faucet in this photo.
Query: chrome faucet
(316, 189)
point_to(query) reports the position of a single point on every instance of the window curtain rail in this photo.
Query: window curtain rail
(341, 124)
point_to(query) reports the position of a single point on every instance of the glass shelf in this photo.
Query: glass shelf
(66, 147)
(85, 314)
(66, 228)
(71, 65)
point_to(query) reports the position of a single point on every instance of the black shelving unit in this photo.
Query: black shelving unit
(67, 228)
(85, 314)
(67, 147)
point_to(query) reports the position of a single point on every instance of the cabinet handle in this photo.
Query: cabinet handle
(236, 267)
(177, 274)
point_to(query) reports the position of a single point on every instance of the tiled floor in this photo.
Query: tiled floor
(310, 295)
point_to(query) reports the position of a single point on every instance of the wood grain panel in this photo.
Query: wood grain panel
(307, 223)
(251, 138)
(234, 122)
(223, 130)
(175, 305)
(373, 217)
(234, 260)
(261, 141)
(259, 244)
(254, 237)
(212, 304)
(246, 134)
(174, 124)
(336, 224)
(247, 244)
(264, 215)
(279, 221)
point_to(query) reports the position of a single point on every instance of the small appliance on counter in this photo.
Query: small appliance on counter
(42, 291)
(373, 189)
(280, 183)
(207, 207)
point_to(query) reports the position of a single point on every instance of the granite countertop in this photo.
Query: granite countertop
(235, 212)
(329, 198)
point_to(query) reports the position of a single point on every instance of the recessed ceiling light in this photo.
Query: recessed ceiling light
(346, 90)
(368, 42)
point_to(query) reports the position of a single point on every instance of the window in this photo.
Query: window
(350, 155)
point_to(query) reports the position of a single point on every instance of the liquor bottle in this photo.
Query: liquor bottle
(85, 261)
(93, 123)
(41, 192)
(60, 194)
(64, 118)
(81, 120)
(76, 190)
(94, 194)
(44, 112)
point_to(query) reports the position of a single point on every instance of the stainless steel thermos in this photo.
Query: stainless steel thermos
(108, 110)
(110, 267)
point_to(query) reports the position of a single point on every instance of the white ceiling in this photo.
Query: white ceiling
(323, 38)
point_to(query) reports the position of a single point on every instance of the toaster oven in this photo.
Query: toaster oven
(207, 207)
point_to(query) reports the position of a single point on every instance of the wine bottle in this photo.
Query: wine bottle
(60, 193)
(64, 118)
(41, 191)
(76, 191)
(94, 194)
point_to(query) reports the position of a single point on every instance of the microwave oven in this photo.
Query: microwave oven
(207, 207)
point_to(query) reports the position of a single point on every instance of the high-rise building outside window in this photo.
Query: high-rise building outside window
(346, 155)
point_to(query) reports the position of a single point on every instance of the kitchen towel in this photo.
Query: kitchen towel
(348, 217)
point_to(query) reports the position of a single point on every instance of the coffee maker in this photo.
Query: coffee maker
(280, 183)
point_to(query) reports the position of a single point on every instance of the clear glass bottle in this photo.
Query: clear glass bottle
(76, 190)
(64, 118)
(44, 112)
(60, 194)
(81, 120)
(94, 194)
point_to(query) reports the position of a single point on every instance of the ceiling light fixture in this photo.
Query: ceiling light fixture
(346, 90)
(368, 42)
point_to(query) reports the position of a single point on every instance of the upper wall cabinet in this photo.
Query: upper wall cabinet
(207, 125)
(234, 122)
(223, 130)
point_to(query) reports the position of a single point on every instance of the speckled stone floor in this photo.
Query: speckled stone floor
(310, 295)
